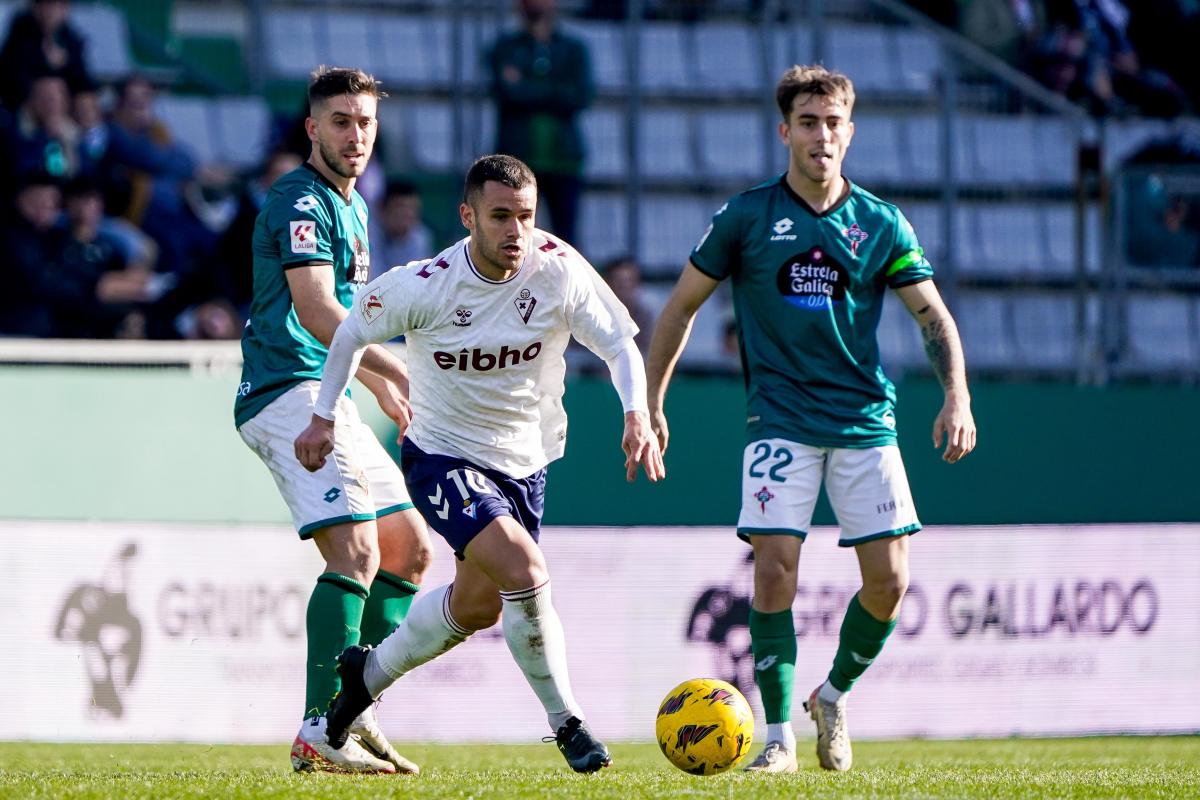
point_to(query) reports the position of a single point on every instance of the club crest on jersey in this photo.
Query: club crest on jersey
(525, 303)
(781, 228)
(857, 236)
(763, 496)
(306, 203)
(304, 236)
(372, 307)
(464, 317)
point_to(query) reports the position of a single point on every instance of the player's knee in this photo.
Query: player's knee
(884, 594)
(480, 614)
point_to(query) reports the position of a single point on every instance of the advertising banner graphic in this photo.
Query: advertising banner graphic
(145, 632)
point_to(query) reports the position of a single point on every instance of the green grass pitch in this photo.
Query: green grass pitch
(1149, 767)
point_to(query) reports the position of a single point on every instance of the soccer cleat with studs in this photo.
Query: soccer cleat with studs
(583, 751)
(833, 739)
(366, 728)
(775, 757)
(311, 752)
(353, 699)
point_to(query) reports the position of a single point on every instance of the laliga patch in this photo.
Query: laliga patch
(372, 307)
(304, 236)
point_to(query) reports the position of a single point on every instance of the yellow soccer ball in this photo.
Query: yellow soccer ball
(704, 726)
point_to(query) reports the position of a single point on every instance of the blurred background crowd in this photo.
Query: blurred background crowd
(1043, 149)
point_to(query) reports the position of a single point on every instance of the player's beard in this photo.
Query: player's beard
(333, 160)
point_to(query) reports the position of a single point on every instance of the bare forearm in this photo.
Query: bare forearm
(670, 335)
(377, 363)
(943, 347)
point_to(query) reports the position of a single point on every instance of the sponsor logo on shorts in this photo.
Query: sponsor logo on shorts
(333, 494)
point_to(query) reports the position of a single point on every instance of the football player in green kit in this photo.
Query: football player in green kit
(810, 256)
(310, 257)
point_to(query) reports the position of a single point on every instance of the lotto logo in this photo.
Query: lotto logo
(482, 361)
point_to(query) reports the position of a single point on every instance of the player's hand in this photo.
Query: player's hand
(658, 424)
(315, 443)
(641, 447)
(956, 426)
(394, 403)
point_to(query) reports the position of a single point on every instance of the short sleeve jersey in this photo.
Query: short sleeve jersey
(486, 357)
(808, 290)
(305, 221)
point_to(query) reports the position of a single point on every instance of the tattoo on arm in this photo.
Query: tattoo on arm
(944, 350)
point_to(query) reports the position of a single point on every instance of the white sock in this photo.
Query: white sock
(428, 631)
(829, 693)
(782, 732)
(535, 638)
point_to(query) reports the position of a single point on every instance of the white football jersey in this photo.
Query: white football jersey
(485, 357)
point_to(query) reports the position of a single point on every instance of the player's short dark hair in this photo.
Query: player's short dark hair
(511, 172)
(326, 82)
(810, 80)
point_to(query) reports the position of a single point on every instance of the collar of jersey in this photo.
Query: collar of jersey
(480, 275)
(329, 183)
(800, 201)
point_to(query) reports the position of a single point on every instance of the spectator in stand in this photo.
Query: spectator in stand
(43, 137)
(234, 252)
(541, 79)
(97, 293)
(624, 276)
(402, 235)
(40, 42)
(1164, 33)
(26, 304)
(148, 174)
(1010, 29)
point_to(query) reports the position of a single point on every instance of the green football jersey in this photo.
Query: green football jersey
(808, 290)
(304, 221)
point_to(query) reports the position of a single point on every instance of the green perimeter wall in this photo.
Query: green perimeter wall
(156, 444)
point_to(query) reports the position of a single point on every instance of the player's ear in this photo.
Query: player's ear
(783, 132)
(466, 215)
(310, 127)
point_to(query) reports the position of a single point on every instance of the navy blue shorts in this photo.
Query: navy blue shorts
(459, 499)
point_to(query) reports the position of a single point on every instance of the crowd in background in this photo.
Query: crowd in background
(116, 230)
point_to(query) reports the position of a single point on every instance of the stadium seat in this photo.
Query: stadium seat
(899, 338)
(790, 45)
(291, 40)
(874, 153)
(107, 36)
(921, 148)
(919, 57)
(348, 40)
(669, 227)
(606, 46)
(1010, 239)
(1056, 151)
(191, 123)
(603, 226)
(926, 219)
(985, 326)
(665, 143)
(665, 64)
(705, 345)
(1123, 139)
(1162, 331)
(863, 52)
(393, 145)
(1003, 148)
(604, 131)
(732, 141)
(728, 57)
(1058, 221)
(1044, 329)
(431, 134)
(417, 51)
(243, 130)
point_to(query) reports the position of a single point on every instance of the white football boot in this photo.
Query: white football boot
(371, 737)
(775, 757)
(833, 739)
(311, 752)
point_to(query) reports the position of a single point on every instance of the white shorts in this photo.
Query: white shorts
(359, 480)
(867, 488)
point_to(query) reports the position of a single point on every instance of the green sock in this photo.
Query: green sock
(773, 643)
(334, 614)
(861, 639)
(391, 597)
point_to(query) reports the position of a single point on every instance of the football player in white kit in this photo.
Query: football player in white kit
(487, 322)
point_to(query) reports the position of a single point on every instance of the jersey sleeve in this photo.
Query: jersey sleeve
(906, 263)
(302, 229)
(718, 254)
(390, 306)
(595, 316)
